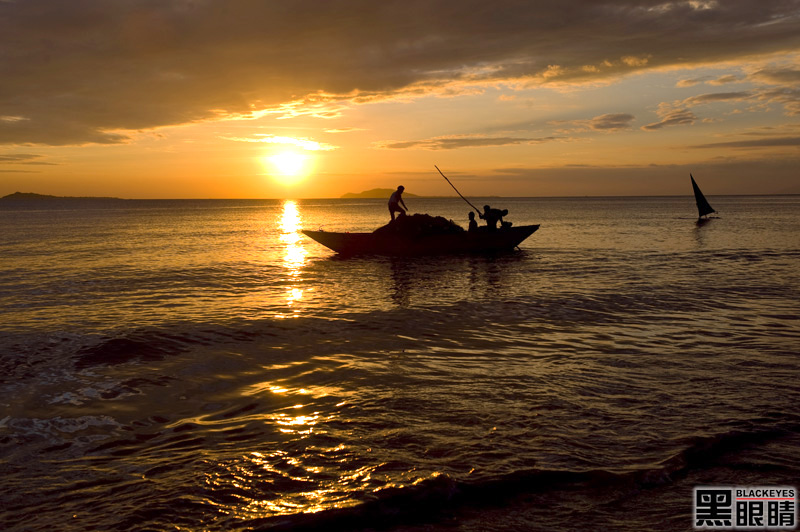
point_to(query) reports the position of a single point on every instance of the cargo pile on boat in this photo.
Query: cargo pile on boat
(419, 224)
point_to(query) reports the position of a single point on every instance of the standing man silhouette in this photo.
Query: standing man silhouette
(395, 201)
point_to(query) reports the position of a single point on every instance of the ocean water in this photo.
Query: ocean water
(201, 365)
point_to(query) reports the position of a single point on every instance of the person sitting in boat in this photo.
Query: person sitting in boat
(503, 223)
(473, 225)
(492, 216)
(395, 201)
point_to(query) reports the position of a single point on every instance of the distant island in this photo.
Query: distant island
(376, 193)
(32, 196)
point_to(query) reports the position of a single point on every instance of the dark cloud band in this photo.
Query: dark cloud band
(92, 71)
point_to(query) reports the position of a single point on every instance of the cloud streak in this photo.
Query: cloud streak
(92, 71)
(452, 143)
(302, 143)
(612, 122)
(677, 117)
(18, 157)
(23, 158)
(680, 113)
(773, 142)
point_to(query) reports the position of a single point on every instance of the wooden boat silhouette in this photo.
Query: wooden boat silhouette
(411, 243)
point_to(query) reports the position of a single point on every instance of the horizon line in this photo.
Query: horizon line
(46, 197)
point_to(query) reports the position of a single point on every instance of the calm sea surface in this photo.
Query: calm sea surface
(201, 365)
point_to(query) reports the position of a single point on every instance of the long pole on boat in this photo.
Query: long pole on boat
(457, 192)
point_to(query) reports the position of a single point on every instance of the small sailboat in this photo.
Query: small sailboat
(703, 207)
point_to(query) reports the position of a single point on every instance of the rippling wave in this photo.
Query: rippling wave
(201, 366)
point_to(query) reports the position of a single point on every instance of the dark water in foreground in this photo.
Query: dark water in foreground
(200, 365)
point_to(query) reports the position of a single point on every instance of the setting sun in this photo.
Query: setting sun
(290, 166)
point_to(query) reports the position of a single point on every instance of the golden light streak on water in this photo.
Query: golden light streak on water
(303, 424)
(294, 256)
(310, 501)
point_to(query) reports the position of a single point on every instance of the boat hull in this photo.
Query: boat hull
(481, 241)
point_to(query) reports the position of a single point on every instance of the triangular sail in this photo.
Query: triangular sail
(703, 208)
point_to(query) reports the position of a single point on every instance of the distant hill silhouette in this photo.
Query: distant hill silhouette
(32, 196)
(377, 193)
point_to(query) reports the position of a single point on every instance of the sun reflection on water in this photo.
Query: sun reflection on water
(294, 256)
(296, 424)
(304, 454)
(281, 467)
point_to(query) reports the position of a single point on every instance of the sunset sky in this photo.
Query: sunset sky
(304, 99)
